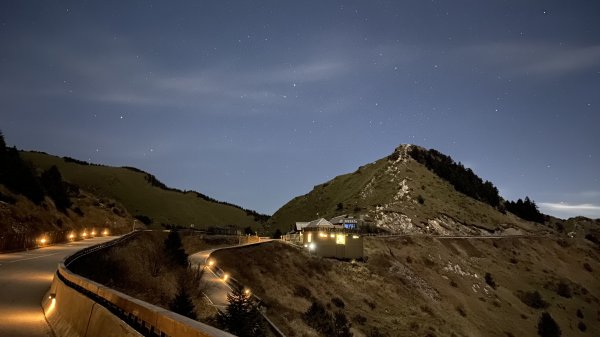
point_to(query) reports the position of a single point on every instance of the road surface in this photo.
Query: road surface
(214, 287)
(24, 279)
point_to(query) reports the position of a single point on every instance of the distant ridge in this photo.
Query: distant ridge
(147, 198)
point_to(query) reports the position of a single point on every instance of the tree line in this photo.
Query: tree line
(464, 180)
(21, 177)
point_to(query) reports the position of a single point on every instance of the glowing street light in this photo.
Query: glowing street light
(84, 234)
(71, 236)
(247, 292)
(211, 262)
(43, 241)
(225, 277)
(105, 232)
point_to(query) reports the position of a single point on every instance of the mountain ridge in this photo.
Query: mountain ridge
(400, 194)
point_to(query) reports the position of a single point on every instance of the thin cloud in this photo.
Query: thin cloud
(565, 210)
(517, 58)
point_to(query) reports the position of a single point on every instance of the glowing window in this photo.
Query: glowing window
(332, 235)
(323, 235)
(309, 237)
(340, 239)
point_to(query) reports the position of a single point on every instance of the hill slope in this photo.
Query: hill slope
(143, 195)
(400, 195)
(423, 286)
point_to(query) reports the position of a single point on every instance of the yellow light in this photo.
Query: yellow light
(93, 232)
(355, 236)
(323, 235)
(71, 236)
(225, 277)
(247, 292)
(340, 239)
(332, 235)
(211, 262)
(105, 232)
(84, 234)
(43, 240)
(309, 237)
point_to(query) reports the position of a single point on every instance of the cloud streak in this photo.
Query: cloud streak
(540, 59)
(564, 210)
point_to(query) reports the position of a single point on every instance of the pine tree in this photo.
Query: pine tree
(341, 325)
(242, 317)
(174, 249)
(55, 188)
(182, 303)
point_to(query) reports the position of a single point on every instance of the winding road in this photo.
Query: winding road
(24, 279)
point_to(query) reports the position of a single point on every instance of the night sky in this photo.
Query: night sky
(254, 102)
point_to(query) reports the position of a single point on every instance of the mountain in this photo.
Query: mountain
(145, 197)
(411, 191)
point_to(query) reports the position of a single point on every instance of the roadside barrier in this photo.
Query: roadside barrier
(78, 307)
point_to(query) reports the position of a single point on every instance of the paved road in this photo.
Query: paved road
(213, 286)
(24, 279)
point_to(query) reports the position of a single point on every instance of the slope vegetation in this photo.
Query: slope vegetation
(423, 286)
(400, 195)
(143, 195)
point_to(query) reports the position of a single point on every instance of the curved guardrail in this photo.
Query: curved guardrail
(147, 319)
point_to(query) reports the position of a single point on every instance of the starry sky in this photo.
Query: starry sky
(255, 102)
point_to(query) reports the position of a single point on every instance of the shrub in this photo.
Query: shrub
(582, 327)
(587, 267)
(338, 302)
(318, 318)
(454, 284)
(533, 299)
(302, 291)
(563, 289)
(360, 319)
(461, 310)
(420, 199)
(579, 313)
(374, 332)
(341, 325)
(489, 279)
(547, 327)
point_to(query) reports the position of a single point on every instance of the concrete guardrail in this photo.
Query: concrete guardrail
(78, 307)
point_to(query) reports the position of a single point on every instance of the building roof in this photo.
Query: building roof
(301, 225)
(320, 223)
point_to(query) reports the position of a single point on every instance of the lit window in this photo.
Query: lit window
(340, 239)
(332, 235)
(323, 235)
(309, 237)
(355, 236)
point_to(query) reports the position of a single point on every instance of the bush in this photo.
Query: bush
(360, 319)
(579, 313)
(563, 290)
(318, 318)
(489, 279)
(242, 317)
(302, 291)
(547, 327)
(533, 299)
(587, 267)
(420, 199)
(582, 327)
(338, 302)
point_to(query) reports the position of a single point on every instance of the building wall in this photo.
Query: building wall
(327, 246)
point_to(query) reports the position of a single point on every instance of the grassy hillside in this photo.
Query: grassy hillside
(399, 194)
(142, 194)
(424, 286)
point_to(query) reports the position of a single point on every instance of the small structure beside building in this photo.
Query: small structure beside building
(338, 239)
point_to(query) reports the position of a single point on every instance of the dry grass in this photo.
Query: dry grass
(441, 292)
